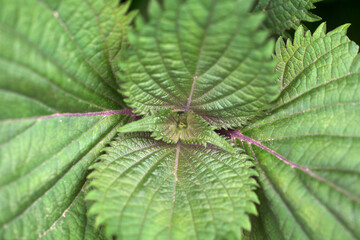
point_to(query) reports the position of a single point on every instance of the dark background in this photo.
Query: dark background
(334, 12)
(338, 12)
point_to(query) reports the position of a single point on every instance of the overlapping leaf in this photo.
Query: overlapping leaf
(148, 189)
(74, 222)
(57, 93)
(286, 14)
(313, 188)
(263, 226)
(206, 56)
(173, 127)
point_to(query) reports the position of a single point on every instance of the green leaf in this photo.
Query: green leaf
(173, 127)
(43, 165)
(147, 189)
(206, 56)
(310, 176)
(263, 226)
(283, 15)
(58, 109)
(74, 223)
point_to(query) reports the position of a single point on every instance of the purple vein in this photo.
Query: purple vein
(235, 134)
(191, 93)
(104, 113)
(58, 115)
(283, 200)
(241, 137)
(174, 194)
(211, 13)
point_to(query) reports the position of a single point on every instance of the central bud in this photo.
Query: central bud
(182, 123)
(173, 127)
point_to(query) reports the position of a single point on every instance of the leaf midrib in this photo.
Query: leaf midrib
(167, 70)
(295, 218)
(58, 115)
(63, 175)
(287, 205)
(306, 170)
(139, 183)
(216, 176)
(207, 26)
(174, 193)
(205, 193)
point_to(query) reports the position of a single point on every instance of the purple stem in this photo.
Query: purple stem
(104, 113)
(235, 134)
(191, 93)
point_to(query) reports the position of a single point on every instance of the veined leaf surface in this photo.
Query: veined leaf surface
(58, 109)
(172, 127)
(205, 56)
(286, 14)
(74, 223)
(311, 180)
(263, 226)
(148, 189)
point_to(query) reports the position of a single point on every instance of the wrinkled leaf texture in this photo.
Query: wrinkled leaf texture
(57, 101)
(59, 106)
(282, 15)
(313, 191)
(207, 56)
(148, 189)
